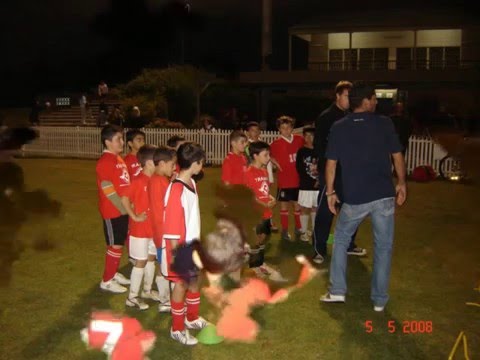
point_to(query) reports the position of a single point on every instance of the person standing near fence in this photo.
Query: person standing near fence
(113, 182)
(83, 108)
(364, 144)
(324, 218)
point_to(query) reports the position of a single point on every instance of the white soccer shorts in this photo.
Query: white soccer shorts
(308, 198)
(140, 248)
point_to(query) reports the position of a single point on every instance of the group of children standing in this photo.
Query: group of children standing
(149, 202)
(250, 163)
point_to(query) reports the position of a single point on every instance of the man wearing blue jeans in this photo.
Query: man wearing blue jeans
(364, 144)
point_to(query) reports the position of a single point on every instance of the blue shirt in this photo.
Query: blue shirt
(363, 143)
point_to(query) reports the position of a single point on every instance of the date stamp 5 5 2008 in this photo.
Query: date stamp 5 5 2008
(405, 327)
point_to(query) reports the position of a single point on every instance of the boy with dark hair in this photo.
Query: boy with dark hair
(235, 164)
(164, 160)
(252, 130)
(113, 182)
(181, 227)
(308, 193)
(256, 178)
(175, 141)
(142, 249)
(284, 152)
(135, 140)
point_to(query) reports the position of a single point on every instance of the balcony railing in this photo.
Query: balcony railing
(383, 65)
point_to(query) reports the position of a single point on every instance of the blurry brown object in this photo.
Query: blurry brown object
(17, 205)
(467, 150)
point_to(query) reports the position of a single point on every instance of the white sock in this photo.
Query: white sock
(304, 222)
(312, 216)
(163, 286)
(149, 275)
(135, 281)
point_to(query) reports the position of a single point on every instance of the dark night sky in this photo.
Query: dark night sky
(49, 45)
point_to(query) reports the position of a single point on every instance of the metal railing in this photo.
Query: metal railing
(383, 65)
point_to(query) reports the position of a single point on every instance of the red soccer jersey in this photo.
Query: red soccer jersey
(111, 167)
(119, 337)
(181, 220)
(257, 180)
(138, 195)
(233, 168)
(285, 153)
(133, 166)
(157, 189)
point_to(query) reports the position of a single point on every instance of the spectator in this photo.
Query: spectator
(403, 125)
(102, 89)
(116, 116)
(207, 124)
(83, 108)
(135, 120)
(35, 113)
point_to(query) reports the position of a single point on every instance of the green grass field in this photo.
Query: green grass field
(436, 265)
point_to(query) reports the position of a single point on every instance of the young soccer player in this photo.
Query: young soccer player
(164, 160)
(113, 182)
(235, 164)
(253, 131)
(284, 152)
(135, 140)
(174, 142)
(181, 226)
(256, 178)
(307, 171)
(142, 249)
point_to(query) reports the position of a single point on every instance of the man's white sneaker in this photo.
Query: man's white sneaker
(318, 259)
(113, 287)
(122, 280)
(136, 302)
(358, 251)
(196, 324)
(152, 294)
(164, 307)
(330, 298)
(183, 337)
(378, 308)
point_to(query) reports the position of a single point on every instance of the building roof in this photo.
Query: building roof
(393, 19)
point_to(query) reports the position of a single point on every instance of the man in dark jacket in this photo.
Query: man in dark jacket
(324, 218)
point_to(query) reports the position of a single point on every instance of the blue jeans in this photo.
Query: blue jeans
(382, 216)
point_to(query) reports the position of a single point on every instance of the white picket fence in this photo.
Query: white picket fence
(81, 142)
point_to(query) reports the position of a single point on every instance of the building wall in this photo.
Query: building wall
(321, 43)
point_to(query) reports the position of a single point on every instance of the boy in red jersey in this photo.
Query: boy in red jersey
(256, 178)
(253, 131)
(284, 152)
(113, 182)
(140, 228)
(164, 160)
(180, 228)
(135, 140)
(235, 164)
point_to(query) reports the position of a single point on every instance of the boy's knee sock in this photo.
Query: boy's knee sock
(112, 261)
(135, 281)
(304, 222)
(193, 305)
(255, 259)
(284, 219)
(298, 224)
(178, 315)
(149, 275)
(312, 216)
(163, 288)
